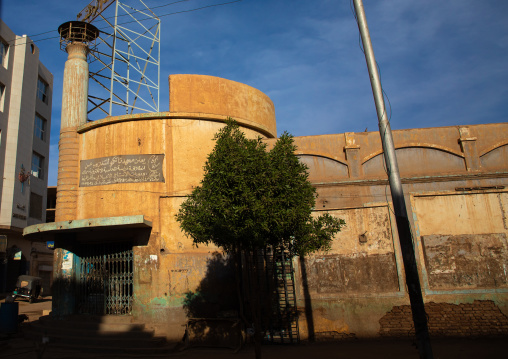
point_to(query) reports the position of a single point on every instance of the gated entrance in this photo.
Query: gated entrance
(105, 279)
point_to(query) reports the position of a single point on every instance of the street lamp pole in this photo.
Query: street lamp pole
(399, 205)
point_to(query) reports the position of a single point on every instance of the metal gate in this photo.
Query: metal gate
(105, 279)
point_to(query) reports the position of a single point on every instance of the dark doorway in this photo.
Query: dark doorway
(105, 279)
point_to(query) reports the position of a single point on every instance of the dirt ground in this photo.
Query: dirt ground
(15, 346)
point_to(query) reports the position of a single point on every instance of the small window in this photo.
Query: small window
(40, 127)
(37, 165)
(42, 90)
(4, 53)
(2, 93)
(35, 206)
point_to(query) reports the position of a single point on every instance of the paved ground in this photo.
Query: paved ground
(17, 347)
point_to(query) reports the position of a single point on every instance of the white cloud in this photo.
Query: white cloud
(442, 62)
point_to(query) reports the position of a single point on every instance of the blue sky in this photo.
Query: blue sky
(443, 63)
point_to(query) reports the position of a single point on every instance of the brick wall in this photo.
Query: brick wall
(480, 318)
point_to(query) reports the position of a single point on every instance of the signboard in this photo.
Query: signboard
(19, 216)
(67, 262)
(94, 9)
(121, 169)
(50, 244)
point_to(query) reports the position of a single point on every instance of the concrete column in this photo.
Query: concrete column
(353, 155)
(76, 35)
(74, 114)
(468, 144)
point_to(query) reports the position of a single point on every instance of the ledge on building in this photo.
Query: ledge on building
(135, 228)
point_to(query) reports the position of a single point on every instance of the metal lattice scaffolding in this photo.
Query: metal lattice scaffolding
(125, 63)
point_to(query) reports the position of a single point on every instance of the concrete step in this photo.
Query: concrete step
(112, 319)
(55, 352)
(61, 350)
(96, 335)
(39, 329)
(98, 340)
(102, 325)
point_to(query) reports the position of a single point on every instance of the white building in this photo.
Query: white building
(25, 121)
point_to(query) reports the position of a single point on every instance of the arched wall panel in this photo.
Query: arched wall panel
(495, 159)
(416, 161)
(322, 169)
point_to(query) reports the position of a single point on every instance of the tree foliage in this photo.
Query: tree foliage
(251, 198)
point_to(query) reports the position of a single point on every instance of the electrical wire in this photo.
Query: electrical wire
(387, 170)
(11, 42)
(182, 11)
(111, 17)
(385, 95)
(360, 44)
(135, 10)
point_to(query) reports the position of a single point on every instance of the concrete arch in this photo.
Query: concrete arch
(323, 169)
(496, 158)
(320, 154)
(417, 161)
(493, 147)
(415, 145)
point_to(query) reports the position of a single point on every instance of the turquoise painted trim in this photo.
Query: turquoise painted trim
(409, 180)
(343, 296)
(464, 291)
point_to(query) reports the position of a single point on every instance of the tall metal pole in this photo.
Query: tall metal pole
(399, 205)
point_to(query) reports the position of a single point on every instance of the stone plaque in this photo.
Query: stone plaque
(121, 169)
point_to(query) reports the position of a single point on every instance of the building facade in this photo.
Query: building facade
(119, 249)
(455, 185)
(25, 122)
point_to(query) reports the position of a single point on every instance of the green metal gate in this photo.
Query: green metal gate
(105, 279)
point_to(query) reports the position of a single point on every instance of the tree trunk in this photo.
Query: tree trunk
(254, 301)
(239, 292)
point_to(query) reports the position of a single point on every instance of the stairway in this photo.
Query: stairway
(82, 336)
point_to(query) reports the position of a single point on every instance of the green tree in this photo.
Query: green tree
(251, 199)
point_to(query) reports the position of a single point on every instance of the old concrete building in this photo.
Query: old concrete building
(121, 251)
(25, 122)
(454, 181)
(121, 181)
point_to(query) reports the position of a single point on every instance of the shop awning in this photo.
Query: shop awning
(91, 229)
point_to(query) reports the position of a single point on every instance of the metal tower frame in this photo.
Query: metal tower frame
(125, 63)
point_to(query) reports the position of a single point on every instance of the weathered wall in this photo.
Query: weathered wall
(480, 318)
(463, 239)
(362, 260)
(224, 98)
(169, 267)
(453, 179)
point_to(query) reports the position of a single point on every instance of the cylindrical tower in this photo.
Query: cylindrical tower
(75, 36)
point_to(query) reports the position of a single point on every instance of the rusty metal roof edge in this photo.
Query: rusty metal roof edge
(136, 221)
